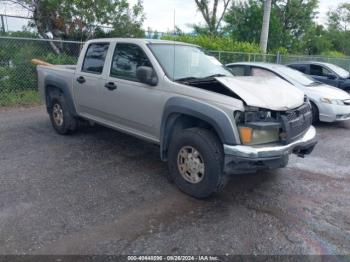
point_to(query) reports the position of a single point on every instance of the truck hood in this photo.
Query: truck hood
(326, 91)
(265, 92)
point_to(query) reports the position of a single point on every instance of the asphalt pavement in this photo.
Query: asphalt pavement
(99, 191)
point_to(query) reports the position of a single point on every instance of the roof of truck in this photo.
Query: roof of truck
(139, 41)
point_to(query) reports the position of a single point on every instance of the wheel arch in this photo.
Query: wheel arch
(181, 113)
(53, 84)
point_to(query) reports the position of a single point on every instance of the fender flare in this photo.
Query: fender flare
(56, 82)
(179, 106)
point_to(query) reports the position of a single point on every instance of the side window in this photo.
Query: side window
(301, 68)
(237, 70)
(95, 58)
(126, 59)
(255, 71)
(319, 70)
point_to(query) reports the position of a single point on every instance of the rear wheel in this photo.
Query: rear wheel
(196, 162)
(61, 118)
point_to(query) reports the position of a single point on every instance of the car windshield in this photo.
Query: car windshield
(187, 62)
(339, 71)
(297, 76)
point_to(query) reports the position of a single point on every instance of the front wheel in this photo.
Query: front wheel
(196, 162)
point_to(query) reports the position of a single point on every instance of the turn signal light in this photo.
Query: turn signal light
(246, 135)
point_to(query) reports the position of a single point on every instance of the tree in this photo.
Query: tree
(316, 40)
(265, 26)
(211, 17)
(339, 19)
(339, 28)
(67, 19)
(289, 21)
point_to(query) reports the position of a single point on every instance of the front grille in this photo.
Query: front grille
(296, 122)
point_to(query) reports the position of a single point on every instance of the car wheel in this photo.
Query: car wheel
(61, 118)
(196, 162)
(315, 114)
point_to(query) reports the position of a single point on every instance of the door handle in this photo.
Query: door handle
(81, 79)
(110, 86)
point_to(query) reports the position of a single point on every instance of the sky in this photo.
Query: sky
(160, 14)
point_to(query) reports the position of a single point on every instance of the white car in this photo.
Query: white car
(329, 104)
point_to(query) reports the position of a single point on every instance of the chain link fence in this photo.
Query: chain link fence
(232, 57)
(18, 78)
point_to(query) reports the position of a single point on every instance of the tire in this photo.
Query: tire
(315, 114)
(61, 118)
(210, 179)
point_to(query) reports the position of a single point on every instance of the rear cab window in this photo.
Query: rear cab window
(95, 58)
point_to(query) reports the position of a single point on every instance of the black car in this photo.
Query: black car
(324, 72)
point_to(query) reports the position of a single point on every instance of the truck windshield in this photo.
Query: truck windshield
(187, 62)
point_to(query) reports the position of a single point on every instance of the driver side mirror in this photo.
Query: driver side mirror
(147, 75)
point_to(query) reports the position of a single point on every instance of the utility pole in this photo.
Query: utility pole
(2, 24)
(265, 26)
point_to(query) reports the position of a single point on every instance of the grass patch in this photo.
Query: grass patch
(19, 98)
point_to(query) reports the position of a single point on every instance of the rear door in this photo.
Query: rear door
(90, 79)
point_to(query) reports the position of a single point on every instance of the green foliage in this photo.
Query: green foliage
(216, 43)
(281, 51)
(62, 59)
(17, 72)
(289, 22)
(336, 54)
(19, 98)
(339, 28)
(81, 20)
(315, 40)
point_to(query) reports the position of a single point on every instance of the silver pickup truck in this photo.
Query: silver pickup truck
(208, 123)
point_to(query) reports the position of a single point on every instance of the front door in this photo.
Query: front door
(128, 103)
(323, 75)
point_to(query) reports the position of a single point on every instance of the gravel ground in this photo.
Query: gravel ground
(102, 192)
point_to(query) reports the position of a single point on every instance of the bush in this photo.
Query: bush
(333, 54)
(216, 43)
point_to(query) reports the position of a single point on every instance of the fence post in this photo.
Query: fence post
(220, 56)
(278, 58)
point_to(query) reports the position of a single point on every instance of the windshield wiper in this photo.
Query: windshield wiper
(215, 75)
(189, 78)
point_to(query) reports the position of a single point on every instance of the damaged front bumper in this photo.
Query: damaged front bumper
(243, 159)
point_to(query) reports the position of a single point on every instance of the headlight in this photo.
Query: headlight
(332, 101)
(250, 136)
(257, 127)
